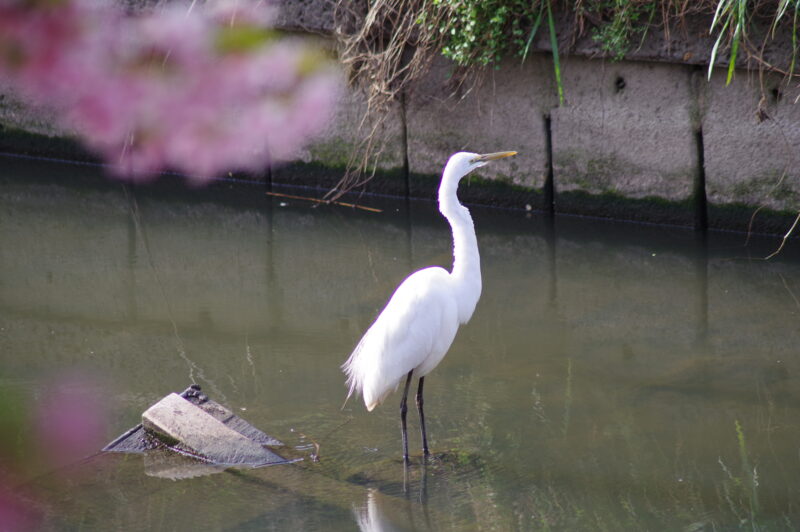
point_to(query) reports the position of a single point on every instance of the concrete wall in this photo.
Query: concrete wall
(634, 140)
(751, 158)
(647, 138)
(626, 130)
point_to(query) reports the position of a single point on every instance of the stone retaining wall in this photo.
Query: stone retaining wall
(634, 140)
(647, 138)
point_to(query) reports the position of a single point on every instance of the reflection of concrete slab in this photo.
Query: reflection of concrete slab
(174, 466)
(192, 424)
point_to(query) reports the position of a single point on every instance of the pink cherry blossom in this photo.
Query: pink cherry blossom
(70, 419)
(16, 515)
(203, 92)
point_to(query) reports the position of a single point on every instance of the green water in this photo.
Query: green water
(613, 377)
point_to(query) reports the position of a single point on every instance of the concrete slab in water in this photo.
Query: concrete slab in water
(138, 440)
(194, 395)
(177, 421)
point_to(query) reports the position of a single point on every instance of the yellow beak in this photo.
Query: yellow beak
(486, 157)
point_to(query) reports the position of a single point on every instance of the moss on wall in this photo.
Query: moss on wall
(476, 189)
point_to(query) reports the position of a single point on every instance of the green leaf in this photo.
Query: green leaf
(732, 62)
(715, 48)
(534, 29)
(554, 45)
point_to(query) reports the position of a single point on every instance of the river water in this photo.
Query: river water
(613, 377)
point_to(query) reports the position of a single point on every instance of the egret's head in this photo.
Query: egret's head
(463, 162)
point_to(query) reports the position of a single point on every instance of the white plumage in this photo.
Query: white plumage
(416, 328)
(405, 337)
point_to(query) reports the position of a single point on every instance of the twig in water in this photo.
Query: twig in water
(315, 456)
(317, 200)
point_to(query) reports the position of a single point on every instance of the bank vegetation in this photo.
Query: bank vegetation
(388, 45)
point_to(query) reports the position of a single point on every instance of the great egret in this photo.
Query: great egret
(415, 329)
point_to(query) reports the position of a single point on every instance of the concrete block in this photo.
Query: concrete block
(229, 419)
(751, 158)
(504, 110)
(176, 420)
(626, 131)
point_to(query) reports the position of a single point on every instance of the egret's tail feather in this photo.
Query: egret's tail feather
(352, 382)
(364, 374)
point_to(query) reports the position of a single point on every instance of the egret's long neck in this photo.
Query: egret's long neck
(466, 272)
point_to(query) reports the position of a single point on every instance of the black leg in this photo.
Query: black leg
(403, 411)
(422, 418)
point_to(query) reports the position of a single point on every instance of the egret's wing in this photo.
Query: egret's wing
(419, 320)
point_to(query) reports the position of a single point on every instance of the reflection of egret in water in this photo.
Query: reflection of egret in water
(370, 517)
(381, 513)
(454, 491)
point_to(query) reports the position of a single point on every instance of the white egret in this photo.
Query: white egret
(415, 329)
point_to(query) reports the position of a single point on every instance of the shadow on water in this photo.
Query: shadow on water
(701, 287)
(614, 376)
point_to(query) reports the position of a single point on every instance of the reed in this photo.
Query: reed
(732, 16)
(551, 26)
(784, 7)
(554, 45)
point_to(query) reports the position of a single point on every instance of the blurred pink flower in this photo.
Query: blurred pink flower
(204, 91)
(70, 420)
(36, 62)
(16, 515)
